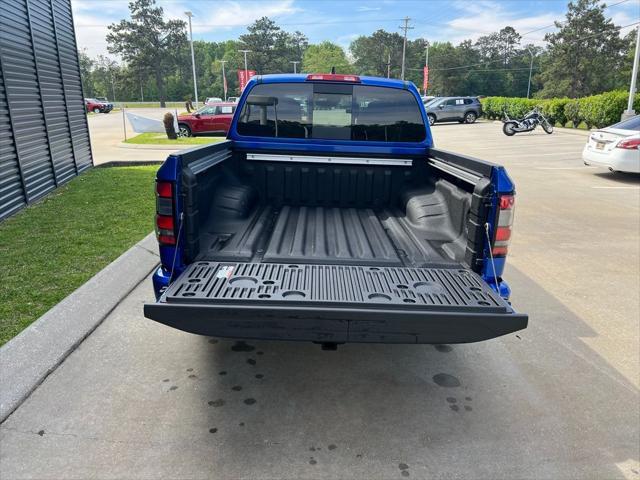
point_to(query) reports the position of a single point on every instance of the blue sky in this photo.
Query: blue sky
(341, 21)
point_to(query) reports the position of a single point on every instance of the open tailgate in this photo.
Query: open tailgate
(334, 303)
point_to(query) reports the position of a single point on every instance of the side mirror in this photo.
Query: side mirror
(441, 106)
(197, 115)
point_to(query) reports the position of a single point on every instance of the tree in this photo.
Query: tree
(86, 66)
(372, 53)
(585, 54)
(147, 42)
(323, 57)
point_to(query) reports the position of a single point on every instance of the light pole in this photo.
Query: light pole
(530, 70)
(630, 112)
(294, 66)
(245, 64)
(193, 59)
(224, 80)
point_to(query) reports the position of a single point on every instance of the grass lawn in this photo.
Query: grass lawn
(161, 139)
(52, 247)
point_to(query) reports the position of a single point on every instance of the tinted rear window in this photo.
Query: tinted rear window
(632, 123)
(332, 112)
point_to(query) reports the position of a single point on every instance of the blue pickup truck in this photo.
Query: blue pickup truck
(328, 216)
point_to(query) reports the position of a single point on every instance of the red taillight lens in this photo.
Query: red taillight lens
(165, 224)
(503, 234)
(631, 144)
(164, 189)
(332, 77)
(503, 230)
(507, 202)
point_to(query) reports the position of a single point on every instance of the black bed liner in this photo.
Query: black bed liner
(335, 303)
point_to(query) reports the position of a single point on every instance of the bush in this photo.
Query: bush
(595, 111)
(553, 109)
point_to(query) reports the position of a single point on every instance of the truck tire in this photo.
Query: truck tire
(432, 118)
(96, 110)
(470, 117)
(508, 128)
(184, 130)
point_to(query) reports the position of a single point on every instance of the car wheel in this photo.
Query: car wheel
(432, 119)
(470, 117)
(96, 110)
(184, 130)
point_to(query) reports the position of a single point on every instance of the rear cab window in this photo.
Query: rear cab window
(332, 111)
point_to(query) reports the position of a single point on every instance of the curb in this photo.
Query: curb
(27, 359)
(173, 148)
(128, 163)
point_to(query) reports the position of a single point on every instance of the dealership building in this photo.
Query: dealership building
(44, 136)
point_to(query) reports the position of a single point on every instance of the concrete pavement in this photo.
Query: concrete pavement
(558, 400)
(107, 133)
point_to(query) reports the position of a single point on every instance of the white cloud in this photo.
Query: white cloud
(485, 17)
(229, 14)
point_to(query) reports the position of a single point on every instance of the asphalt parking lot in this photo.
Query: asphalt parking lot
(557, 400)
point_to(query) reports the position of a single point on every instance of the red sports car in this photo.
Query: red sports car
(208, 120)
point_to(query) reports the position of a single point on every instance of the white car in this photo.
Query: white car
(616, 148)
(210, 100)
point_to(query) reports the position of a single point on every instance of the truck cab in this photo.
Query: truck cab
(329, 216)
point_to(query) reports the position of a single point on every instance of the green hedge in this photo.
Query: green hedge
(595, 111)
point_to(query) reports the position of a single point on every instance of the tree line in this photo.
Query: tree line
(586, 55)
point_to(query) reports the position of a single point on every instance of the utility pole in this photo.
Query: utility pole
(193, 59)
(630, 112)
(246, 80)
(224, 79)
(530, 70)
(294, 66)
(404, 27)
(388, 64)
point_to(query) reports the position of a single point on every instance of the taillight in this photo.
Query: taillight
(503, 230)
(631, 144)
(165, 225)
(332, 77)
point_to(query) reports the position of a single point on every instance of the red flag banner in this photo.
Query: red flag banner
(244, 76)
(425, 80)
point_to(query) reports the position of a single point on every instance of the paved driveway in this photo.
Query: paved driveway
(558, 400)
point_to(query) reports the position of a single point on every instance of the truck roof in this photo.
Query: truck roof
(303, 77)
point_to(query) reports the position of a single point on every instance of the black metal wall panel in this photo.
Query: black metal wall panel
(70, 66)
(11, 192)
(43, 126)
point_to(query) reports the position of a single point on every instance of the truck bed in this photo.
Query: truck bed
(325, 235)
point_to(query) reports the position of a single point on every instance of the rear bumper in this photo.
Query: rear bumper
(618, 160)
(338, 325)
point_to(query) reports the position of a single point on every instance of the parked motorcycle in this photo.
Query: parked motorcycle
(527, 124)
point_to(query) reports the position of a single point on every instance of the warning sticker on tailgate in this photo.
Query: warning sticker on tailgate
(225, 272)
